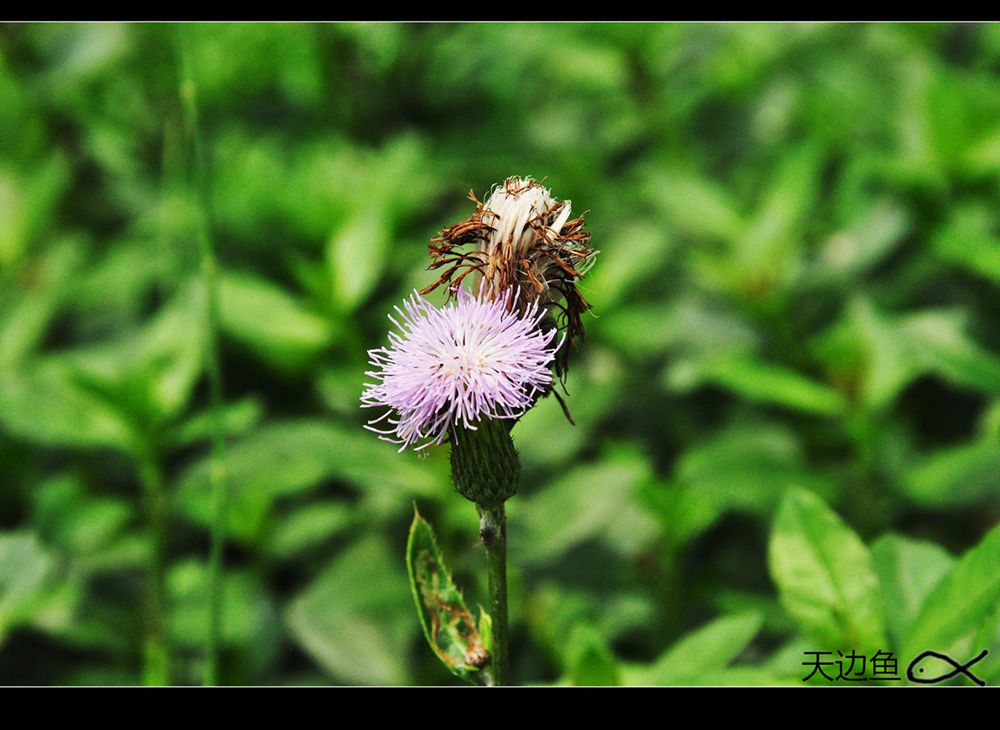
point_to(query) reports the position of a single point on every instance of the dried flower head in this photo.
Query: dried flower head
(521, 238)
(475, 358)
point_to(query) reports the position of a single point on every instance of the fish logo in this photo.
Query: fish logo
(958, 668)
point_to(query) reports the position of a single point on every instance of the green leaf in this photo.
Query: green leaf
(250, 622)
(150, 372)
(25, 569)
(825, 575)
(29, 203)
(960, 603)
(699, 329)
(684, 511)
(23, 324)
(599, 501)
(486, 629)
(874, 232)
(967, 239)
(966, 474)
(169, 352)
(745, 468)
(887, 353)
(595, 386)
(938, 339)
(47, 405)
(590, 662)
(356, 256)
(866, 351)
(769, 246)
(708, 649)
(737, 677)
(73, 520)
(244, 603)
(988, 637)
(292, 457)
(748, 466)
(696, 205)
(633, 257)
(356, 619)
(117, 393)
(237, 419)
(448, 626)
(309, 527)
(773, 384)
(907, 570)
(270, 322)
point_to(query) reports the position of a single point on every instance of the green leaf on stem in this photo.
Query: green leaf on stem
(449, 627)
(825, 575)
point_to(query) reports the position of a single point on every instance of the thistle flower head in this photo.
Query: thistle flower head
(473, 359)
(521, 238)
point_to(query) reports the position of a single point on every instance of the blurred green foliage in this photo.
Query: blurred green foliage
(787, 405)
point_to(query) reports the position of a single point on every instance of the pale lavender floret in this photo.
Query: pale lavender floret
(469, 360)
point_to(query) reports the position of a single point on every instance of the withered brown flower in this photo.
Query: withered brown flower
(521, 238)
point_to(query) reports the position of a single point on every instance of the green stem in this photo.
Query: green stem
(493, 531)
(156, 652)
(209, 273)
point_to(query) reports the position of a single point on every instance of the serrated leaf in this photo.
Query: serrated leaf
(448, 626)
(825, 576)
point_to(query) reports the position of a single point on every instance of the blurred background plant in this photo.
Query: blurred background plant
(788, 403)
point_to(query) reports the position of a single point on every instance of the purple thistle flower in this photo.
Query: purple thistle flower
(472, 359)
